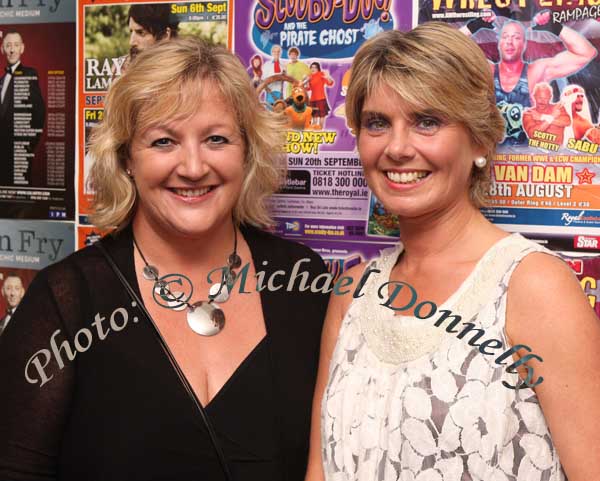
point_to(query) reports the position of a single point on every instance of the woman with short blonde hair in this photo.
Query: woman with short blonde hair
(468, 348)
(405, 62)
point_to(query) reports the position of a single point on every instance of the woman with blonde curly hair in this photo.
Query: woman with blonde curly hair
(471, 354)
(149, 355)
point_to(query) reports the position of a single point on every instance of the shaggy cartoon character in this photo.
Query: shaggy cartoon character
(299, 114)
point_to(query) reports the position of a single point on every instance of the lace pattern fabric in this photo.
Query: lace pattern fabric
(409, 401)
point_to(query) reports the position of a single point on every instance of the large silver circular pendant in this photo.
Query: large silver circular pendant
(205, 319)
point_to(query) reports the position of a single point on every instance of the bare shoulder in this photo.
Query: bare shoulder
(532, 263)
(546, 306)
(541, 276)
(342, 296)
(548, 311)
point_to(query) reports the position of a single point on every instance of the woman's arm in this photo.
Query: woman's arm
(547, 311)
(338, 305)
(36, 392)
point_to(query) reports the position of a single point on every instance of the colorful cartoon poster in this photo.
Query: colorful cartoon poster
(298, 56)
(25, 248)
(37, 110)
(543, 56)
(110, 34)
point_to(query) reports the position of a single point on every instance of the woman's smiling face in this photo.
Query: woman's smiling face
(415, 162)
(189, 172)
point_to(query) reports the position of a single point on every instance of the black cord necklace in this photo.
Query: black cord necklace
(204, 317)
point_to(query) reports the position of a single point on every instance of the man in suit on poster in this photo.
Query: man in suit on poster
(20, 99)
(13, 292)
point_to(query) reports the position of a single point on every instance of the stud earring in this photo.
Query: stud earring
(480, 162)
(128, 172)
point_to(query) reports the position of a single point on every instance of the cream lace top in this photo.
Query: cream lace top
(408, 401)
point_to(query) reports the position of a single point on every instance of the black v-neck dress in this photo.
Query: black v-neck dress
(118, 410)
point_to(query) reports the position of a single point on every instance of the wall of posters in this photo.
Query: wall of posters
(546, 70)
(546, 182)
(299, 61)
(37, 110)
(110, 34)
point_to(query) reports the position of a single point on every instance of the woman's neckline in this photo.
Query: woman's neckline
(451, 299)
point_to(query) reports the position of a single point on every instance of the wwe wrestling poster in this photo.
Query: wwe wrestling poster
(298, 57)
(37, 109)
(544, 58)
(25, 248)
(110, 34)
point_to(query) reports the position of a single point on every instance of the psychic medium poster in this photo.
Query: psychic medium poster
(109, 38)
(298, 57)
(25, 248)
(37, 109)
(546, 174)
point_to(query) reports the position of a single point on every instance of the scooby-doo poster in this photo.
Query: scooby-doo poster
(298, 56)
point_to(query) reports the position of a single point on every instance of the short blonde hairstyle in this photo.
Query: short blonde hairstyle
(433, 67)
(164, 83)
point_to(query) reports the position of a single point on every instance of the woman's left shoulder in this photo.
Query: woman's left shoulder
(544, 297)
(548, 315)
(542, 267)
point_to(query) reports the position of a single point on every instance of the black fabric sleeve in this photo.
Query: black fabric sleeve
(33, 412)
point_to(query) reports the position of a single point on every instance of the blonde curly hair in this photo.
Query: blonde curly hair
(161, 85)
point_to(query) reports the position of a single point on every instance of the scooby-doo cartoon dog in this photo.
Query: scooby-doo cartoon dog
(299, 114)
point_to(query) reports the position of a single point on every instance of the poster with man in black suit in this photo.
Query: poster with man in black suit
(37, 111)
(22, 113)
(12, 291)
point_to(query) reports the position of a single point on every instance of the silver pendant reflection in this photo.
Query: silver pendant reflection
(223, 296)
(234, 261)
(173, 300)
(150, 273)
(205, 319)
